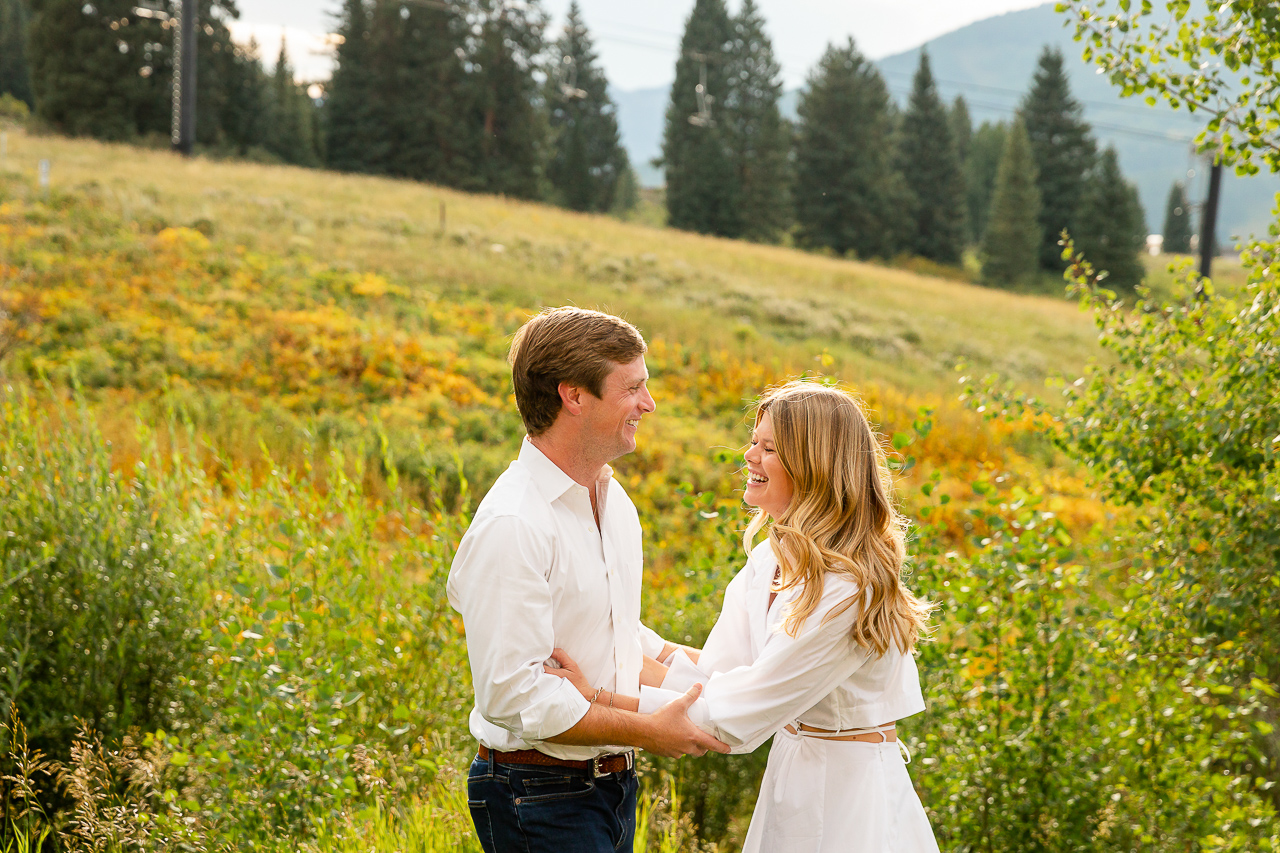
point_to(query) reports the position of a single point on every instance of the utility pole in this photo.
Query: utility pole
(184, 78)
(1209, 219)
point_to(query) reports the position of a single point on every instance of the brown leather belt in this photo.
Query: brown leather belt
(601, 766)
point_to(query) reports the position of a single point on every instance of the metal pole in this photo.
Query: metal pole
(1209, 220)
(184, 77)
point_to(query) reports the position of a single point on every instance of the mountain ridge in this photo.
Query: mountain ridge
(990, 63)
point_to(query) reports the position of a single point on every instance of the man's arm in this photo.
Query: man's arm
(667, 731)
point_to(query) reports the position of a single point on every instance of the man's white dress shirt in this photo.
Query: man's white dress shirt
(758, 678)
(534, 572)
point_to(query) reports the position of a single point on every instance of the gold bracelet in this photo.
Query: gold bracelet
(599, 690)
(611, 698)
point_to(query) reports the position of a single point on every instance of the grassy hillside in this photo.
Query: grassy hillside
(312, 371)
(760, 301)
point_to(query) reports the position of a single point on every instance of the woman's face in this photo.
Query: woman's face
(768, 486)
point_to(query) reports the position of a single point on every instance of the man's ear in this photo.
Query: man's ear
(571, 397)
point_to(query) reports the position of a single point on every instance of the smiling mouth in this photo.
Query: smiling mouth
(635, 422)
(756, 478)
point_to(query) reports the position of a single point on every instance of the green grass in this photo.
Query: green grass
(875, 322)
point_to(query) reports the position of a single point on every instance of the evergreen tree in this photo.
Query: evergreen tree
(849, 196)
(86, 76)
(702, 188)
(627, 196)
(1112, 232)
(99, 70)
(423, 83)
(986, 148)
(1177, 221)
(1011, 244)
(290, 128)
(356, 126)
(588, 160)
(15, 79)
(932, 170)
(759, 139)
(244, 116)
(961, 128)
(1063, 149)
(505, 100)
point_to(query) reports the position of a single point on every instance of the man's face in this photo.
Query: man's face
(611, 421)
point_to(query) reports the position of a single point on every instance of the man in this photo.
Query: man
(553, 559)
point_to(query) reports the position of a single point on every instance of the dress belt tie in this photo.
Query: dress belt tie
(862, 735)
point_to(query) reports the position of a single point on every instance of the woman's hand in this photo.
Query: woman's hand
(570, 670)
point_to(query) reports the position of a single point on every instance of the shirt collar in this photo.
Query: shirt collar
(551, 481)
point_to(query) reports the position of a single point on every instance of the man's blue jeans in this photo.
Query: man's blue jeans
(531, 808)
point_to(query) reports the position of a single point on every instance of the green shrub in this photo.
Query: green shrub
(96, 611)
(13, 110)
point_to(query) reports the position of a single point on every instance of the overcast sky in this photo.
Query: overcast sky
(637, 40)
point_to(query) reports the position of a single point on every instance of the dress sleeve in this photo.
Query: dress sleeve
(498, 583)
(746, 705)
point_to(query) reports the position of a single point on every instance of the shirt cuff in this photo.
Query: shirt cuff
(555, 713)
(683, 673)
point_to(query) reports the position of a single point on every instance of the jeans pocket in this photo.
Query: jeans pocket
(484, 825)
(533, 787)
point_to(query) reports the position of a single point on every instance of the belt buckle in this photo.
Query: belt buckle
(597, 763)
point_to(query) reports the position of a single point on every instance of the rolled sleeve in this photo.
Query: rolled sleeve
(683, 673)
(499, 586)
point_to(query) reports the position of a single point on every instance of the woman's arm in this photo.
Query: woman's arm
(745, 705)
(570, 671)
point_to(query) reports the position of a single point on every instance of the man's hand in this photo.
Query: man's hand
(673, 734)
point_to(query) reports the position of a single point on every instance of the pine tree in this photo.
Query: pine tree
(504, 100)
(759, 139)
(423, 85)
(290, 128)
(1063, 148)
(932, 170)
(1177, 221)
(15, 79)
(86, 77)
(849, 196)
(356, 126)
(986, 148)
(1112, 232)
(588, 160)
(1010, 250)
(98, 69)
(627, 195)
(702, 188)
(961, 128)
(244, 116)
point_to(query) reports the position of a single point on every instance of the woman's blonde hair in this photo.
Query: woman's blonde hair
(841, 517)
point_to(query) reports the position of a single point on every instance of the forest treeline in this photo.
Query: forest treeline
(479, 95)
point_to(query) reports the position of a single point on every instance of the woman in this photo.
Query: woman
(813, 644)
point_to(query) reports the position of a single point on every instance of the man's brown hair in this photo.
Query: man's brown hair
(571, 345)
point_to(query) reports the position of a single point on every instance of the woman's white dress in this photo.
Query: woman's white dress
(818, 795)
